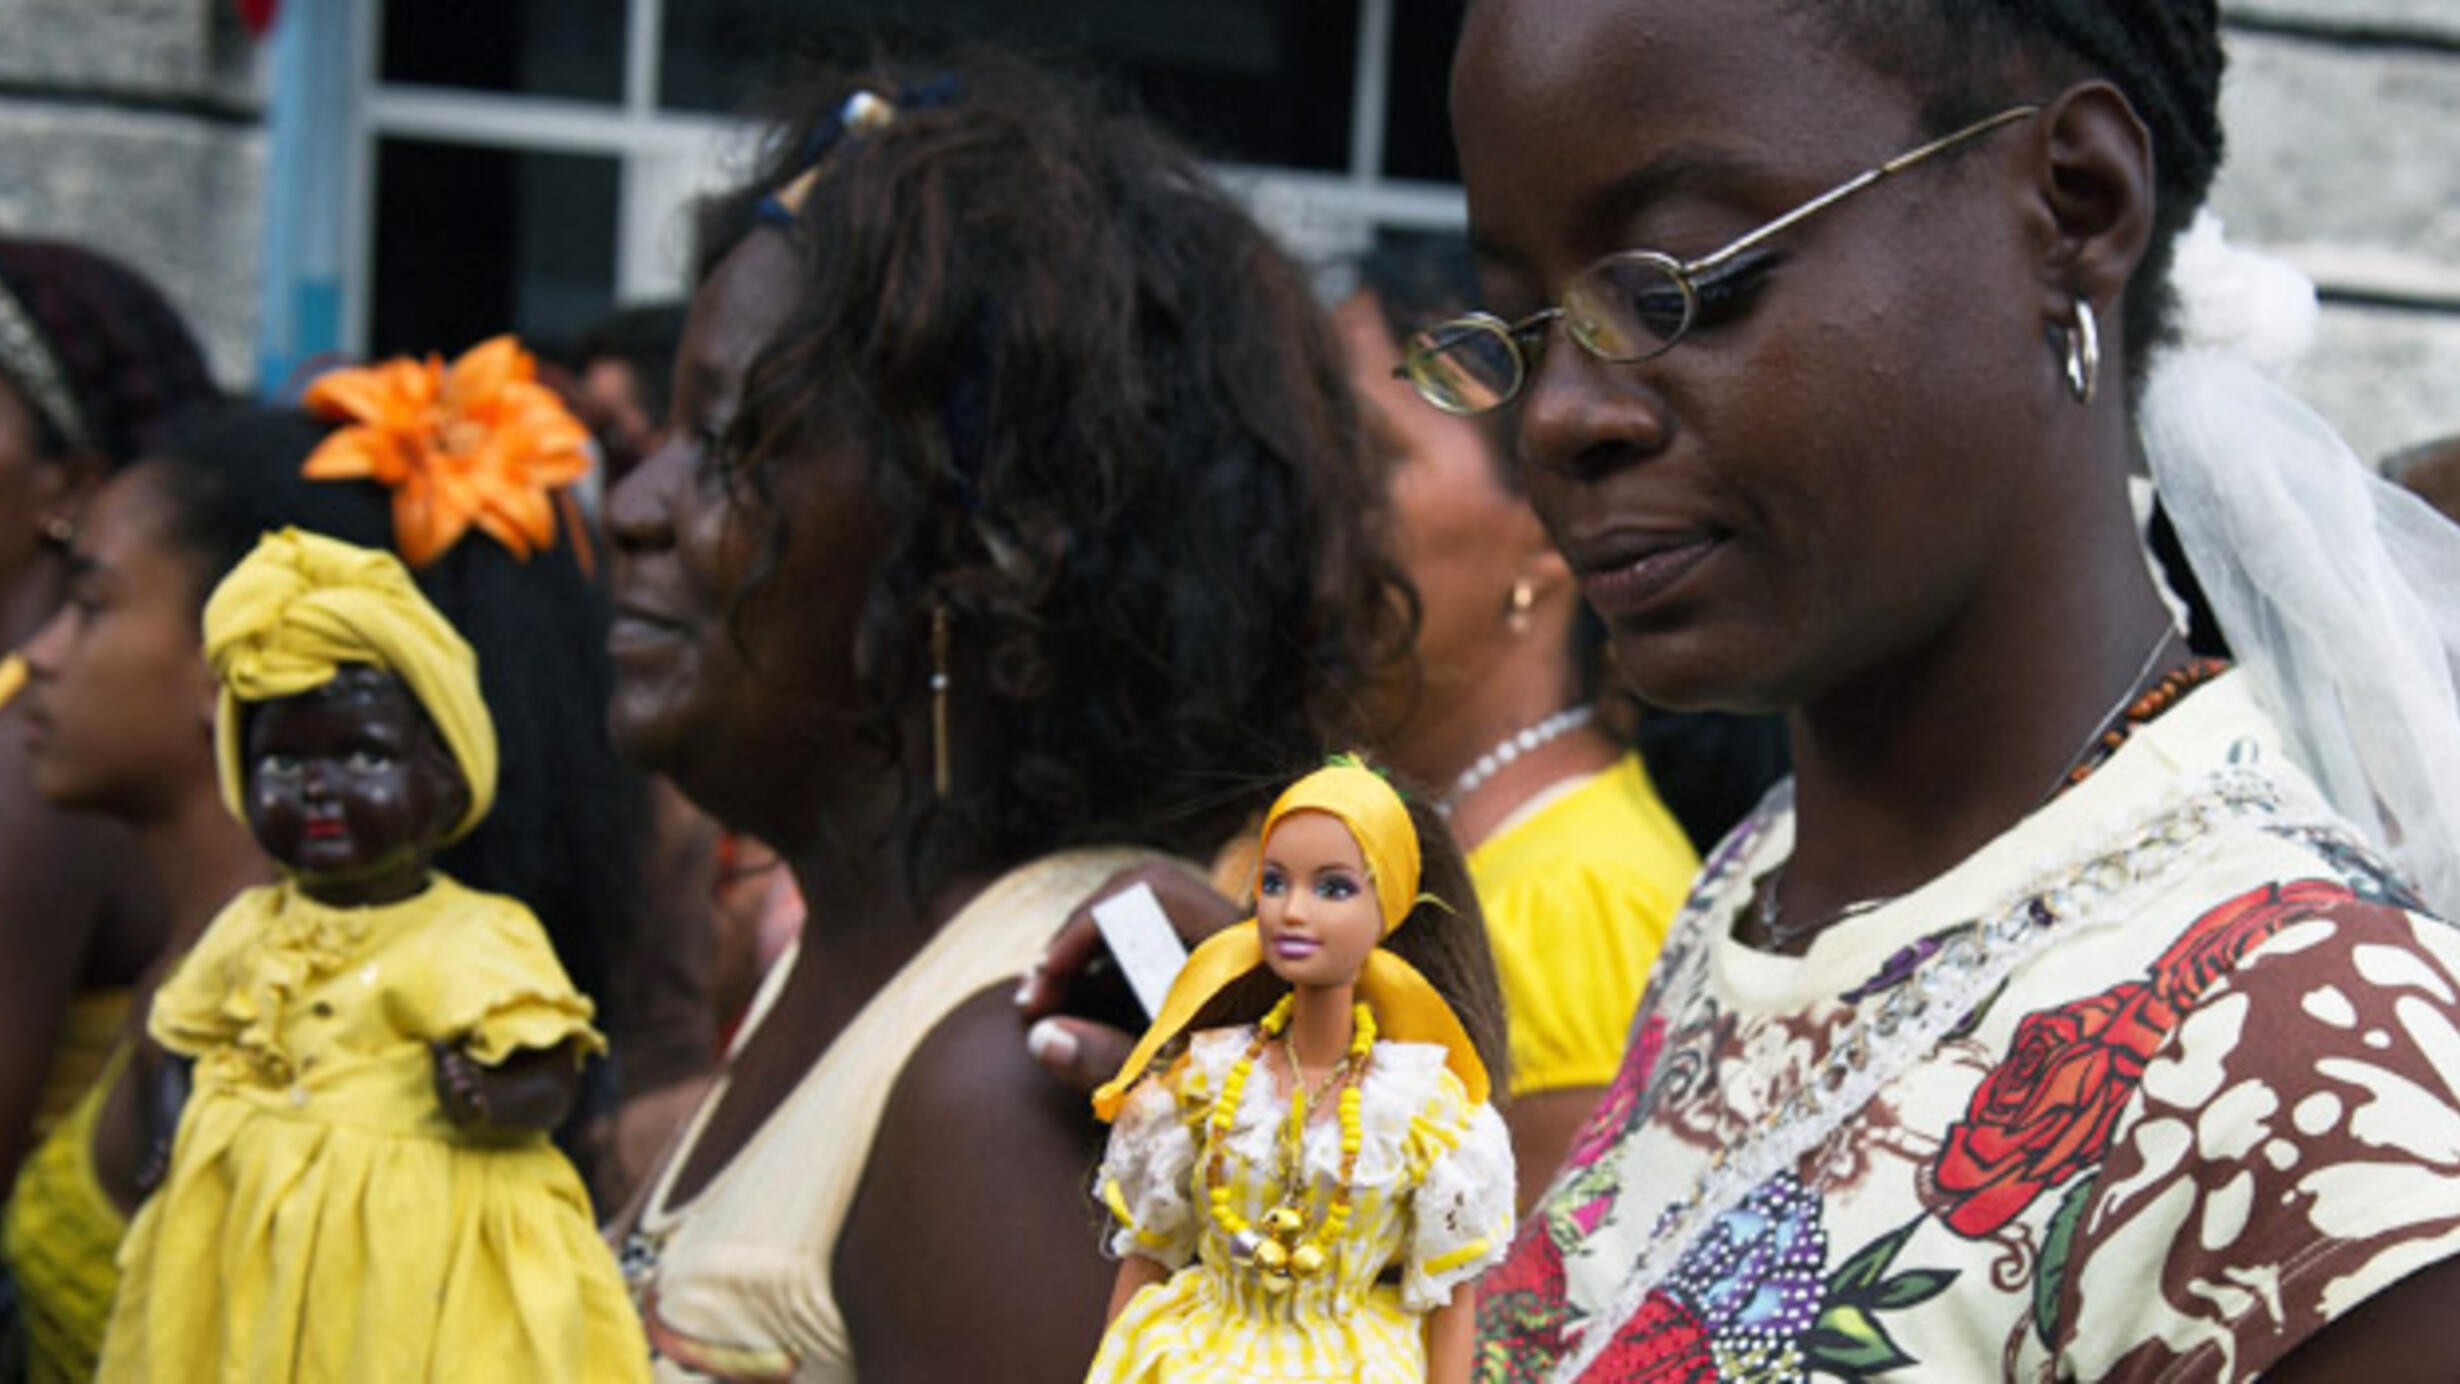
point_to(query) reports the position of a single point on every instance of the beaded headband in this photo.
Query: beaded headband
(29, 363)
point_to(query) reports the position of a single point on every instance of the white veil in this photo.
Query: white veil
(2339, 593)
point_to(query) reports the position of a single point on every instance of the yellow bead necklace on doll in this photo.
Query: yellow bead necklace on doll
(1280, 1253)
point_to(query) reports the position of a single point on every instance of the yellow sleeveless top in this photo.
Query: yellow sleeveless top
(61, 1237)
(1579, 888)
(60, 1232)
(89, 1038)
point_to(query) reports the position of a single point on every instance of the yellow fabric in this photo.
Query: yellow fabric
(1430, 1199)
(89, 1036)
(323, 1219)
(1578, 895)
(302, 605)
(61, 1237)
(1378, 822)
(1407, 1008)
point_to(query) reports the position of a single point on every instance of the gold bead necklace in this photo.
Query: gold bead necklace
(1277, 1249)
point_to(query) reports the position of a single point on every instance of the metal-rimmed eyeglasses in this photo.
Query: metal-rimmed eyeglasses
(1629, 306)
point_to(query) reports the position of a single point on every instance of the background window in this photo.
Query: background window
(471, 241)
(1251, 81)
(1417, 97)
(567, 48)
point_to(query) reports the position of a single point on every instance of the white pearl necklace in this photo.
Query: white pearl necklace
(1515, 745)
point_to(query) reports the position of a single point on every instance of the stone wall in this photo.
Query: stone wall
(2344, 129)
(134, 126)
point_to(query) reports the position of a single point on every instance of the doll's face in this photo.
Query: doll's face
(350, 788)
(1316, 910)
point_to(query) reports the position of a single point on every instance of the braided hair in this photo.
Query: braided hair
(1967, 58)
(127, 360)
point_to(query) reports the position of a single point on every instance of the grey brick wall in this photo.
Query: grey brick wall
(2344, 129)
(133, 126)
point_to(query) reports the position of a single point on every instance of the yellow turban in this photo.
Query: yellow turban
(1407, 1007)
(301, 606)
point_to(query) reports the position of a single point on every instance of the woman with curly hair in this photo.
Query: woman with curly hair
(1007, 534)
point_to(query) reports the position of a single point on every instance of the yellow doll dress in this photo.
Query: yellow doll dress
(1431, 1207)
(322, 1218)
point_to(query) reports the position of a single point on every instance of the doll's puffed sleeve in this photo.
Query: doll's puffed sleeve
(1461, 1217)
(491, 982)
(199, 1006)
(1148, 1172)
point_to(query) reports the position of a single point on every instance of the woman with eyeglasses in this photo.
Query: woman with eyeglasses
(2075, 1011)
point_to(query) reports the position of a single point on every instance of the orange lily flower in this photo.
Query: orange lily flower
(482, 444)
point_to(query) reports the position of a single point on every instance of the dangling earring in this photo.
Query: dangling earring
(1517, 605)
(939, 700)
(2083, 353)
(60, 531)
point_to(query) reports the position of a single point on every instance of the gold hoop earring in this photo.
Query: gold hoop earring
(939, 701)
(1516, 606)
(2083, 353)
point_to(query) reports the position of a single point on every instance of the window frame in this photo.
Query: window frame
(664, 157)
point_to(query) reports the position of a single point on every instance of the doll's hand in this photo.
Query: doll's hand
(1082, 1019)
(461, 1088)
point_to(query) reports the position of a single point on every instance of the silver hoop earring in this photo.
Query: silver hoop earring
(2083, 353)
(60, 531)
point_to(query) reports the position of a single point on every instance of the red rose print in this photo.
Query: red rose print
(1605, 1125)
(1661, 1344)
(1533, 1266)
(2045, 1112)
(1521, 1310)
(2228, 932)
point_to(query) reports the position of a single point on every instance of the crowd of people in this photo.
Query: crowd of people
(1891, 806)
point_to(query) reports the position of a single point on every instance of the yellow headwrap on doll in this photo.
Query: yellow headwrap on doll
(302, 605)
(1407, 1008)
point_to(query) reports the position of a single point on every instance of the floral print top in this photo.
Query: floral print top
(2150, 1088)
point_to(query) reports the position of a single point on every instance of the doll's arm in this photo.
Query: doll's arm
(1136, 1273)
(1452, 1337)
(162, 1098)
(530, 1091)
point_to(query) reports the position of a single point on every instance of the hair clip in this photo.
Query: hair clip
(28, 361)
(864, 112)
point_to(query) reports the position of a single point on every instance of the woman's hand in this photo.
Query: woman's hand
(1075, 1001)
